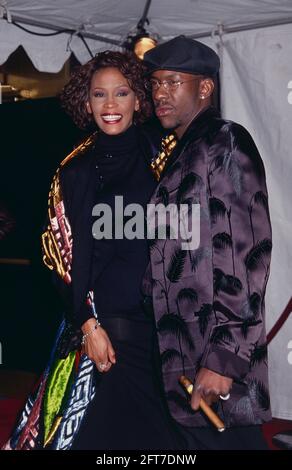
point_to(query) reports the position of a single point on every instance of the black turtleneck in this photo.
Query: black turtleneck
(119, 265)
(116, 155)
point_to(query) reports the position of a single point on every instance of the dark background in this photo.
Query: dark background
(35, 136)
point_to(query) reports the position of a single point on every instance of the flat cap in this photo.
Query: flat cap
(183, 54)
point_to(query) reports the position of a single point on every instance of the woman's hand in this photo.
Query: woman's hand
(97, 346)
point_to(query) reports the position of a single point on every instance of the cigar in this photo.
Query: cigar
(218, 423)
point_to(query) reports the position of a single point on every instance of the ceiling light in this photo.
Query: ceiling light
(143, 45)
(139, 40)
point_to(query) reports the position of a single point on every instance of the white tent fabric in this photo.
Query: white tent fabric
(256, 73)
(256, 81)
(113, 19)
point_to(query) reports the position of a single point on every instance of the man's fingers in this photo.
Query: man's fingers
(198, 393)
(211, 398)
(195, 400)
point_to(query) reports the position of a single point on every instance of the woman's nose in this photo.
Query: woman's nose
(110, 102)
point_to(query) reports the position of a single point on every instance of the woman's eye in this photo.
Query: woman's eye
(123, 93)
(98, 94)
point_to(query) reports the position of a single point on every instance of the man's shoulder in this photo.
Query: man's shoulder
(231, 134)
(210, 126)
(226, 127)
(234, 140)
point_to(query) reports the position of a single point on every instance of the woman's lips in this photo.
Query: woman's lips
(111, 118)
(162, 111)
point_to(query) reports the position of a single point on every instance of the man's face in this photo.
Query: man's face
(176, 108)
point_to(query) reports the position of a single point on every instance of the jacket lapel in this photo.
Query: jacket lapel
(198, 127)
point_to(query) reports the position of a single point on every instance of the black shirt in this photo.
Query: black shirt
(119, 264)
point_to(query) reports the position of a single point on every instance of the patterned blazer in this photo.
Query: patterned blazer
(209, 301)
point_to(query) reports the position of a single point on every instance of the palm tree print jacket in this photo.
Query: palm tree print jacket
(209, 302)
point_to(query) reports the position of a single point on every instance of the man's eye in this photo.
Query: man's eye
(172, 83)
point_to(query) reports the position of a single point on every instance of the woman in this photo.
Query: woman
(100, 390)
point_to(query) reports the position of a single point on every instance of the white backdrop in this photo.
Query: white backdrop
(257, 92)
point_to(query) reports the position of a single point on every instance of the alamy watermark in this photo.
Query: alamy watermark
(289, 97)
(158, 221)
(289, 357)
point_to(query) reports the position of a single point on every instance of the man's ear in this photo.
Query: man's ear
(88, 107)
(206, 88)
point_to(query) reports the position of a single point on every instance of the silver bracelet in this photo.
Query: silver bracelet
(91, 331)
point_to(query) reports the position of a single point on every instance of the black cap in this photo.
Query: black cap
(183, 54)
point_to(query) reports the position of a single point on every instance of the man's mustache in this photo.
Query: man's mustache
(162, 104)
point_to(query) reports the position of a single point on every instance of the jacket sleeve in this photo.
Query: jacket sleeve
(63, 288)
(68, 181)
(241, 249)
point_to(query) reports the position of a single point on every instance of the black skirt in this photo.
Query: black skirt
(129, 411)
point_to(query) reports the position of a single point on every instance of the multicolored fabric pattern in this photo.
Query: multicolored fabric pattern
(57, 240)
(81, 395)
(55, 391)
(52, 415)
(159, 161)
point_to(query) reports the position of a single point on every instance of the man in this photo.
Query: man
(209, 302)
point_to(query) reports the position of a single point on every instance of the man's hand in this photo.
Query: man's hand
(209, 385)
(97, 346)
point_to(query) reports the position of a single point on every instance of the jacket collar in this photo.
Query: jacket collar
(199, 126)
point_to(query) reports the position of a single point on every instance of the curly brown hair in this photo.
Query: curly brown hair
(75, 94)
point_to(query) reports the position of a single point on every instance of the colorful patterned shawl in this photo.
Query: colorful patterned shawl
(53, 414)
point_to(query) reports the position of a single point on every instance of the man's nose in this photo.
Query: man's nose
(160, 93)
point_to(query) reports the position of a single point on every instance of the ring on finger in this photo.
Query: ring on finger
(225, 397)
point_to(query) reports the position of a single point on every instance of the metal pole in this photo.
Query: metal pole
(143, 19)
(236, 29)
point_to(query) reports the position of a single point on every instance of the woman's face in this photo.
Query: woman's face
(111, 101)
